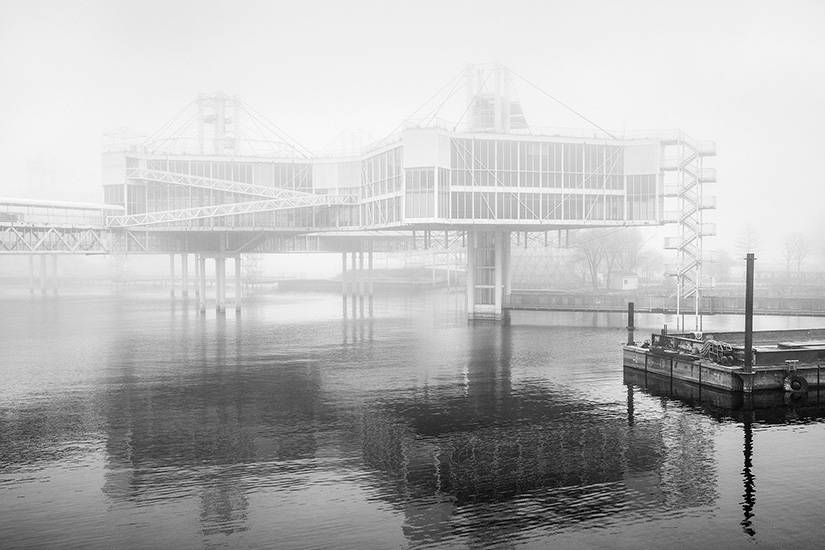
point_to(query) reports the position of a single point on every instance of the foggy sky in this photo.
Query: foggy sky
(748, 75)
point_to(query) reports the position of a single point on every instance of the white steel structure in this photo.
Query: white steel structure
(686, 164)
(226, 178)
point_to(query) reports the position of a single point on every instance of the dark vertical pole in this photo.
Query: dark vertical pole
(630, 325)
(749, 313)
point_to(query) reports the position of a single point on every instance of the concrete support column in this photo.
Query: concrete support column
(31, 273)
(184, 274)
(172, 274)
(369, 272)
(238, 286)
(202, 283)
(507, 264)
(499, 237)
(42, 274)
(197, 276)
(354, 287)
(471, 259)
(220, 283)
(344, 281)
(361, 280)
(54, 274)
(354, 275)
(344, 273)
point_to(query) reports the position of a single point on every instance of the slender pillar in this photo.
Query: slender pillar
(361, 279)
(344, 273)
(54, 274)
(749, 313)
(220, 288)
(238, 287)
(172, 274)
(42, 274)
(507, 265)
(354, 287)
(470, 278)
(354, 276)
(369, 272)
(499, 236)
(202, 283)
(344, 281)
(197, 276)
(630, 324)
(184, 274)
(31, 273)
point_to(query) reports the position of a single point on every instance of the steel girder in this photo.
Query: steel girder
(288, 200)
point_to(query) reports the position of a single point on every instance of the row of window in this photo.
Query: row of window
(538, 206)
(530, 156)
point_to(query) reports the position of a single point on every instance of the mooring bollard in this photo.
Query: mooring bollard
(630, 327)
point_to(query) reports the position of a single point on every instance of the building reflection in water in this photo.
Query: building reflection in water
(479, 452)
(456, 458)
(209, 431)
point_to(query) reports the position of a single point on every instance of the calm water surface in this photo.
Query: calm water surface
(133, 422)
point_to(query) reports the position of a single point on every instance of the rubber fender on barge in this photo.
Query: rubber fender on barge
(795, 383)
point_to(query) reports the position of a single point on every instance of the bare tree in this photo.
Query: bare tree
(590, 245)
(794, 248)
(608, 250)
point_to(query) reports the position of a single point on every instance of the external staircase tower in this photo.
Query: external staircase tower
(685, 177)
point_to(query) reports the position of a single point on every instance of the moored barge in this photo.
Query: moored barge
(789, 360)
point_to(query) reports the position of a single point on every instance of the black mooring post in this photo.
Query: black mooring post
(630, 327)
(749, 313)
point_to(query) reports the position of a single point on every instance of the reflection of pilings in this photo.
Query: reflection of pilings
(184, 274)
(630, 407)
(31, 273)
(172, 274)
(750, 487)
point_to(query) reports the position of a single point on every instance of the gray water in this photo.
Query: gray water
(130, 421)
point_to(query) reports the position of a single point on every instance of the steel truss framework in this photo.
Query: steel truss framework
(45, 239)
